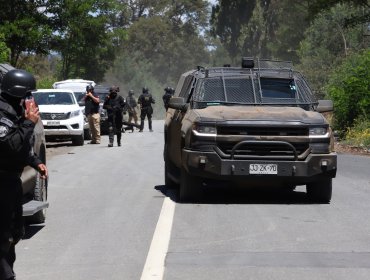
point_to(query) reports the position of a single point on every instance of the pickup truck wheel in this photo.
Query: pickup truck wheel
(87, 134)
(40, 194)
(320, 191)
(78, 140)
(190, 187)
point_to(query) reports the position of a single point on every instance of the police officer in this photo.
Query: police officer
(114, 104)
(166, 97)
(93, 114)
(146, 100)
(17, 123)
(131, 104)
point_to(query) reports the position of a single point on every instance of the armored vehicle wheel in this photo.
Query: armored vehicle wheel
(320, 191)
(190, 187)
(40, 194)
(167, 179)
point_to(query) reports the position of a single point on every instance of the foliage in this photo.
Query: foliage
(24, 26)
(83, 37)
(318, 6)
(260, 28)
(327, 42)
(348, 87)
(227, 20)
(359, 134)
(42, 67)
(4, 50)
(163, 41)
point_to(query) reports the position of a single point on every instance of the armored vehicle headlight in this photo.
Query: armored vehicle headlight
(321, 132)
(205, 129)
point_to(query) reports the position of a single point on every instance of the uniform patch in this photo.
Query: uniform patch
(6, 121)
(3, 131)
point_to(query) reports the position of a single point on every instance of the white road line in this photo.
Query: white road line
(155, 261)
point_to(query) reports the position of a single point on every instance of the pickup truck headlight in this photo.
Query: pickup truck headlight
(74, 113)
(318, 132)
(205, 129)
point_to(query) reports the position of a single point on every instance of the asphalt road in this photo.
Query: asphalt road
(111, 217)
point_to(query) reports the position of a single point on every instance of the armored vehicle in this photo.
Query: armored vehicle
(258, 124)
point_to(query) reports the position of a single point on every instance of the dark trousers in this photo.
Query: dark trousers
(115, 128)
(146, 112)
(11, 221)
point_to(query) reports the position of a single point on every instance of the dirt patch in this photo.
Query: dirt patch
(347, 149)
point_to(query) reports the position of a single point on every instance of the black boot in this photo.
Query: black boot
(141, 126)
(150, 125)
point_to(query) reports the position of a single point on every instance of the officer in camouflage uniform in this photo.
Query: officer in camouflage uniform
(131, 104)
(17, 123)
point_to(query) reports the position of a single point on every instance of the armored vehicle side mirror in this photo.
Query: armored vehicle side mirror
(178, 103)
(325, 106)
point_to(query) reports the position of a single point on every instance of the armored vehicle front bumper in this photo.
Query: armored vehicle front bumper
(212, 166)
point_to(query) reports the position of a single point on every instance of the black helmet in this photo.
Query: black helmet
(89, 88)
(130, 92)
(114, 89)
(145, 89)
(167, 89)
(18, 83)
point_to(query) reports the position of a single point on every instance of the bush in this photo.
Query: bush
(359, 134)
(348, 87)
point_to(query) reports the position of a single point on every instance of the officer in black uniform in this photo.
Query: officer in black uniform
(146, 100)
(17, 124)
(114, 105)
(166, 97)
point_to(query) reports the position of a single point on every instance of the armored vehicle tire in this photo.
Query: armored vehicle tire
(78, 140)
(190, 187)
(167, 180)
(320, 191)
(40, 194)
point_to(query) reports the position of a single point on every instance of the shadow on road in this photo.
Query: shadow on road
(58, 144)
(31, 230)
(221, 194)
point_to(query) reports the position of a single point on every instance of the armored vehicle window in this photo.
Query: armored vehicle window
(278, 88)
(230, 90)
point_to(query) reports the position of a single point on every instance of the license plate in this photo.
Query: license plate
(53, 123)
(262, 168)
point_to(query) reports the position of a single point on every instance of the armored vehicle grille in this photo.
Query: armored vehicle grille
(54, 116)
(263, 131)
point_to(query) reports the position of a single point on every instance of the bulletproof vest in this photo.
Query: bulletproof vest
(131, 101)
(13, 154)
(146, 100)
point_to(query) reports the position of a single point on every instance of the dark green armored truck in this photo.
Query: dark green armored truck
(258, 124)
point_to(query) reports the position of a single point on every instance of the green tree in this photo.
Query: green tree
(318, 6)
(267, 29)
(85, 37)
(25, 27)
(348, 87)
(327, 42)
(4, 50)
(163, 41)
(227, 21)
